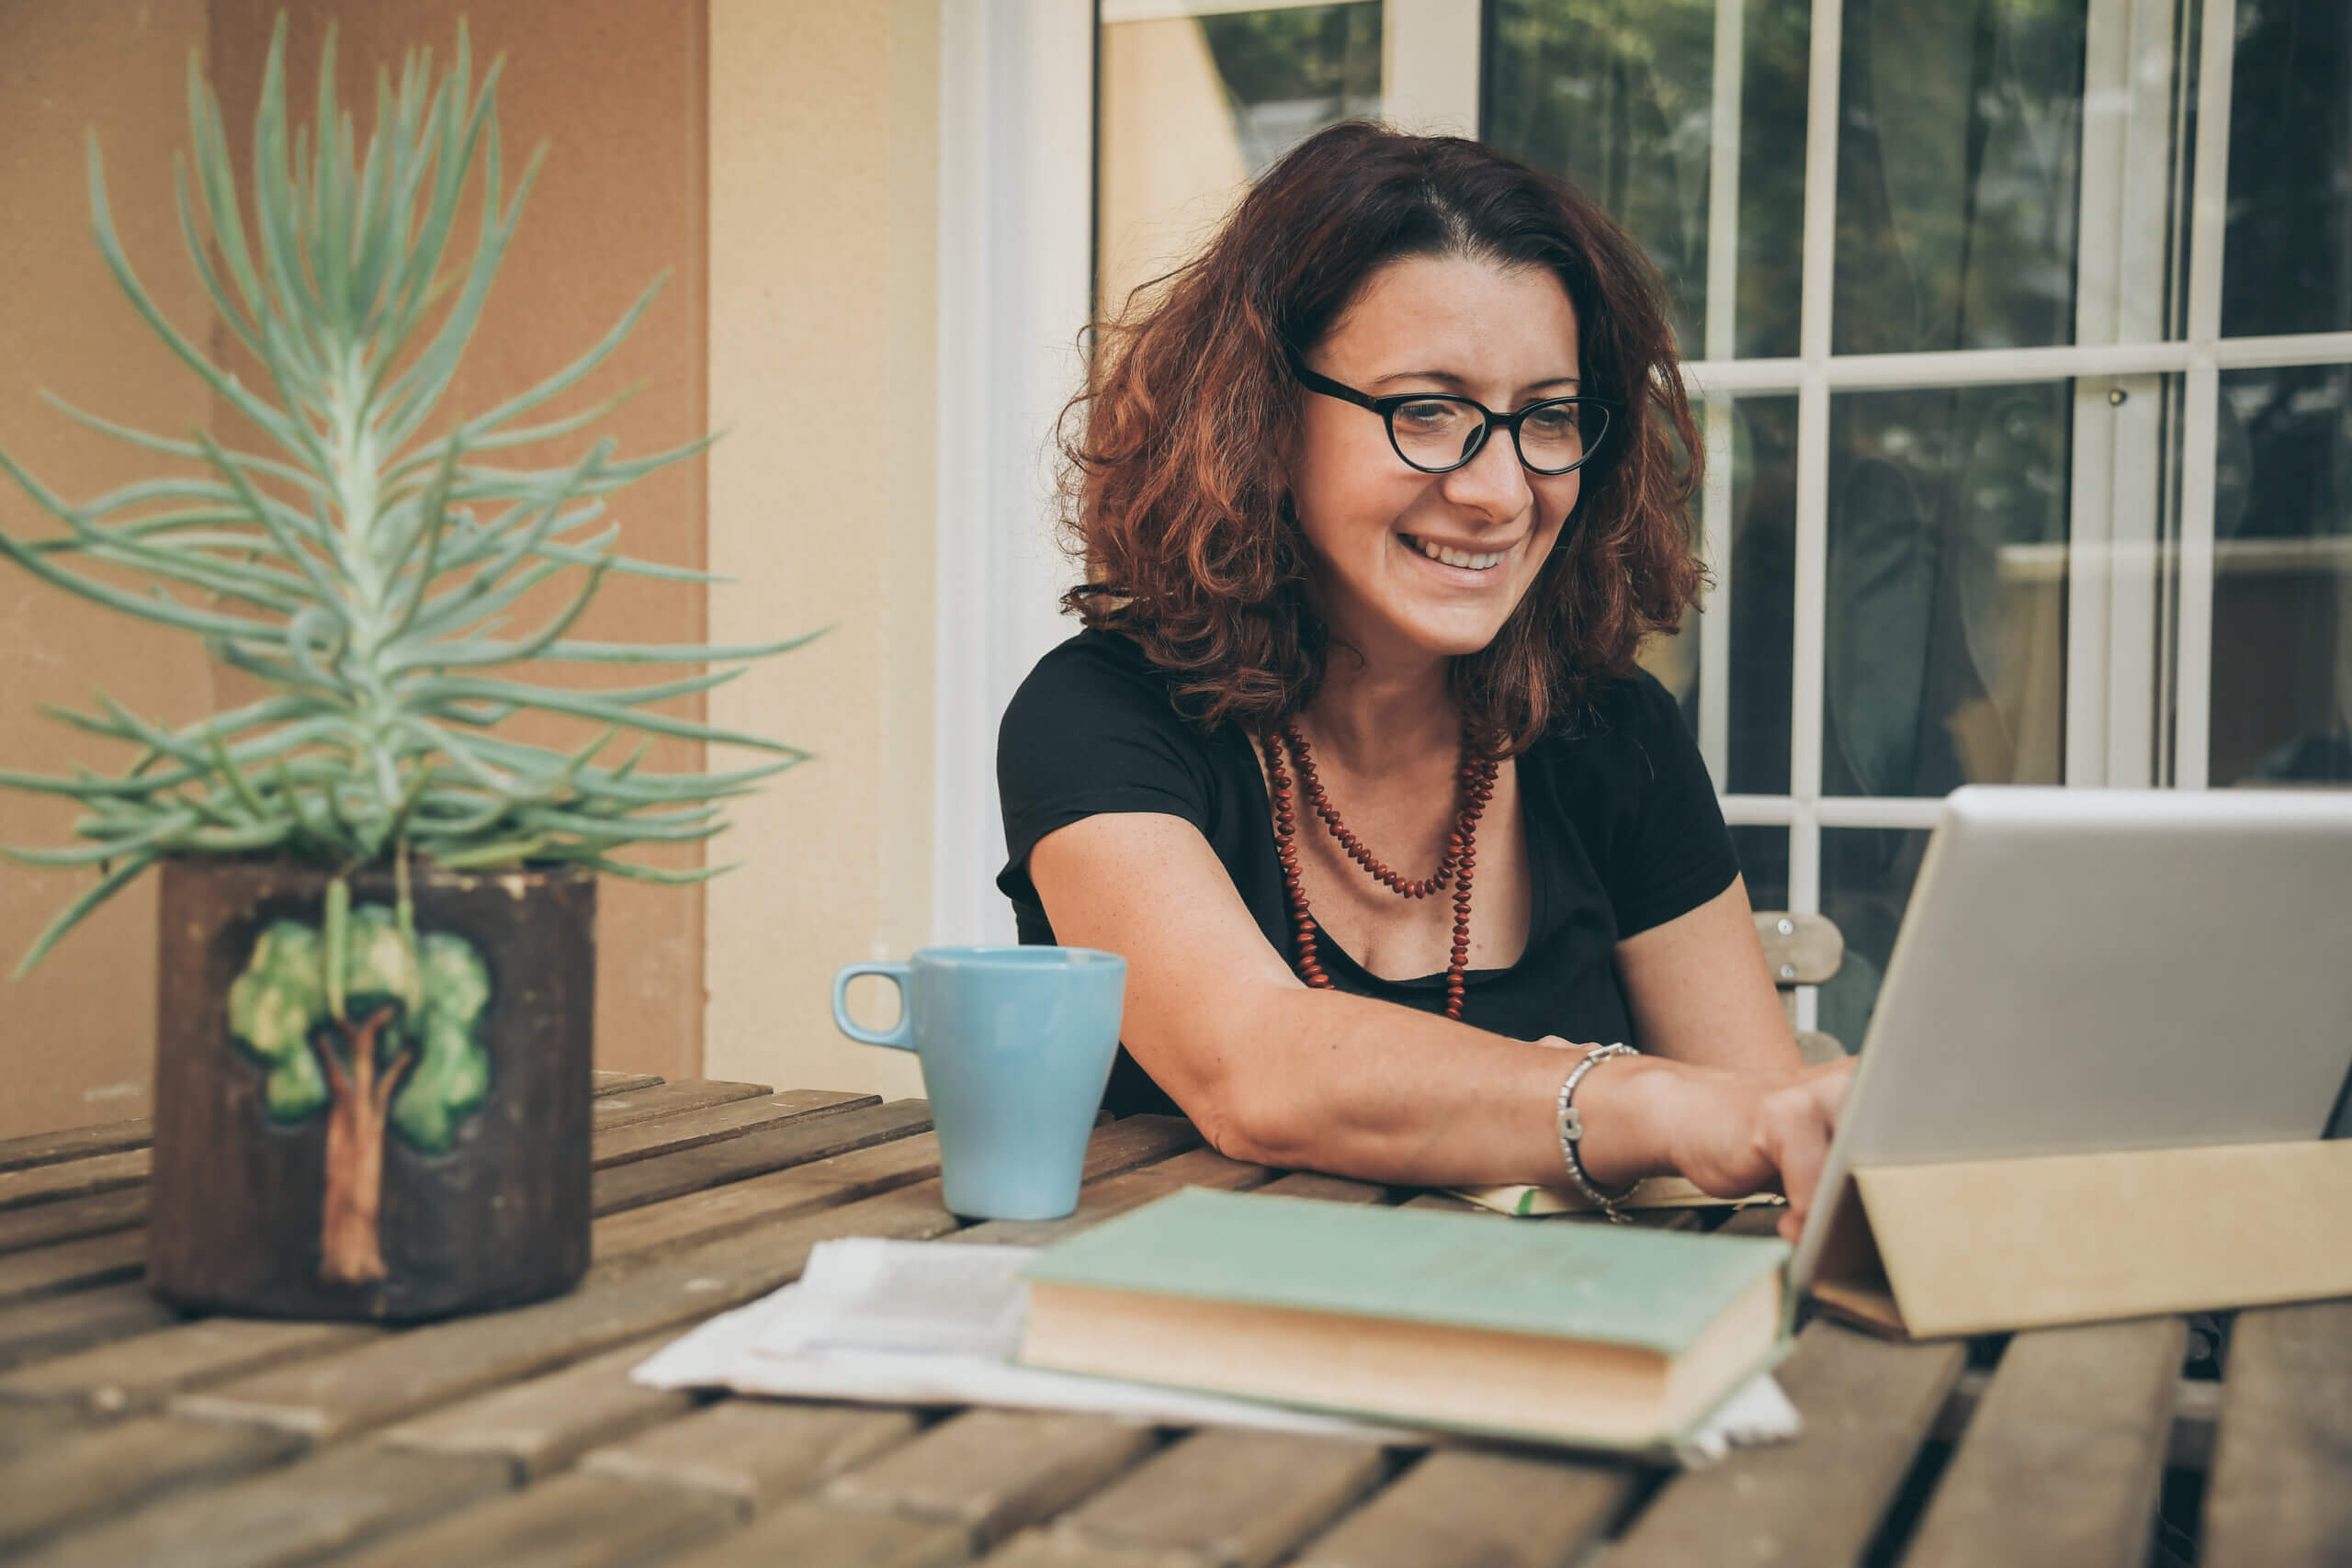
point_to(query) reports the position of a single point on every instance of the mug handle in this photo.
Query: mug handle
(903, 1037)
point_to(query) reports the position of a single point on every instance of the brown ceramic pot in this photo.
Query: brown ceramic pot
(414, 1147)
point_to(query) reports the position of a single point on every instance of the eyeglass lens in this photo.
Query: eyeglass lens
(1436, 433)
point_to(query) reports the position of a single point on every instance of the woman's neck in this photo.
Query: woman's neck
(1369, 716)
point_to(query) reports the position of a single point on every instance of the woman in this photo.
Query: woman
(1377, 498)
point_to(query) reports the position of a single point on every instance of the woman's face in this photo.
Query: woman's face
(1408, 564)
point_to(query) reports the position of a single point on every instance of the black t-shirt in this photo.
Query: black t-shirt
(1623, 833)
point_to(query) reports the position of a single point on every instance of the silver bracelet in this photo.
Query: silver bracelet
(1572, 1133)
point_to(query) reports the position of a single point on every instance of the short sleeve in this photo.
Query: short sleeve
(1669, 851)
(1093, 730)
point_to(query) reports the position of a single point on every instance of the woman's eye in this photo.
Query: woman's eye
(1555, 420)
(1428, 416)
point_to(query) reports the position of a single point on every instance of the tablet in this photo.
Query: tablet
(2081, 970)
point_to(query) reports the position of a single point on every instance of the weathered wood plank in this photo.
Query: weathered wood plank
(1867, 1404)
(1195, 1168)
(1044, 1547)
(840, 1179)
(1228, 1498)
(542, 1424)
(2196, 1406)
(299, 1514)
(1324, 1189)
(572, 1521)
(1756, 1219)
(73, 1264)
(25, 1429)
(70, 1219)
(809, 1533)
(1462, 1509)
(607, 1082)
(41, 1224)
(76, 1143)
(73, 1177)
(617, 1110)
(717, 1124)
(376, 1385)
(139, 1373)
(2281, 1490)
(54, 1326)
(760, 1199)
(1444, 1204)
(108, 1469)
(176, 1362)
(995, 1472)
(2061, 1466)
(755, 1452)
(755, 1154)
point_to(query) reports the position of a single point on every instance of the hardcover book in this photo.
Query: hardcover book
(1598, 1335)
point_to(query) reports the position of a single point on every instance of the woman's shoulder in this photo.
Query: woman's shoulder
(1092, 729)
(1093, 692)
(1096, 670)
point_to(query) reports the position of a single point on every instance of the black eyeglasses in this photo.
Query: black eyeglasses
(1438, 433)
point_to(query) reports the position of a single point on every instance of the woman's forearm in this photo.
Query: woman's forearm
(1368, 1089)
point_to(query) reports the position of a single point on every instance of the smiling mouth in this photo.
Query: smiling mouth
(1447, 556)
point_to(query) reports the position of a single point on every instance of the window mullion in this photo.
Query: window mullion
(2113, 587)
(2193, 616)
(1429, 66)
(1721, 433)
(1817, 293)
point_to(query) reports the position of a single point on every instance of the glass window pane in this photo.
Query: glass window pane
(2287, 260)
(1958, 145)
(1947, 589)
(2282, 578)
(1866, 877)
(1763, 864)
(1192, 108)
(1618, 97)
(1757, 588)
(1763, 586)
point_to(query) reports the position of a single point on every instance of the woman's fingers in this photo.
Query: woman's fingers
(1801, 1121)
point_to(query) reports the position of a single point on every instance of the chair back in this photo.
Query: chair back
(1802, 949)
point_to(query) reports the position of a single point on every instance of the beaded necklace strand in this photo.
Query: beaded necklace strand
(1477, 785)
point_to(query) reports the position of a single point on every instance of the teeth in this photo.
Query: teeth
(1458, 558)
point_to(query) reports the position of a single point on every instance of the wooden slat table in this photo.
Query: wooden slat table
(130, 1435)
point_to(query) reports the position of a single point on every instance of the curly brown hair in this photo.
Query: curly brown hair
(1176, 454)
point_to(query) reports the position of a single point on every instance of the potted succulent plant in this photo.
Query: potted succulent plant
(377, 933)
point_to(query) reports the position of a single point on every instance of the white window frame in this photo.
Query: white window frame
(1016, 270)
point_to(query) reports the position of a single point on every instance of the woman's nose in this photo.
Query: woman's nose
(1491, 484)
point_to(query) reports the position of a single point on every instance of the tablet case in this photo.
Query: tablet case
(1929, 1251)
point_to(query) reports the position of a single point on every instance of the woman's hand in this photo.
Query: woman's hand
(1731, 1133)
(1728, 1133)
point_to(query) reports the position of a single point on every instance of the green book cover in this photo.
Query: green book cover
(1610, 1284)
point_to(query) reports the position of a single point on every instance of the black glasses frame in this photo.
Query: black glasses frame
(1386, 409)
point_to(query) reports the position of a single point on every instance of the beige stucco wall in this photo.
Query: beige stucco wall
(75, 1038)
(822, 280)
(615, 88)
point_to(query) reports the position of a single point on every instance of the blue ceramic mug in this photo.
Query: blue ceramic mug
(1016, 1044)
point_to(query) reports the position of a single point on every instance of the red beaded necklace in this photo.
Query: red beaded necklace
(1477, 775)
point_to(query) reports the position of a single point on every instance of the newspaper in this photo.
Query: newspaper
(940, 1323)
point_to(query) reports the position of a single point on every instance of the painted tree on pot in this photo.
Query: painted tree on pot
(387, 1039)
(366, 572)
